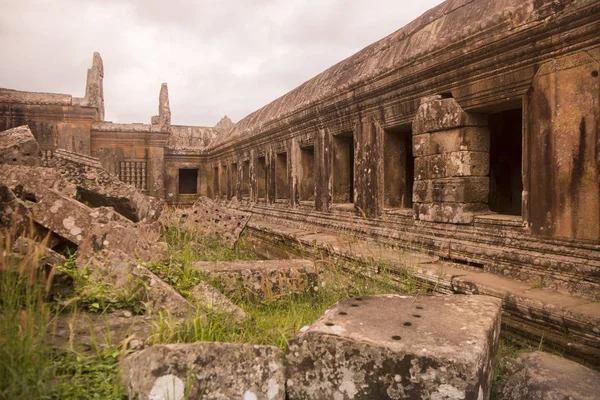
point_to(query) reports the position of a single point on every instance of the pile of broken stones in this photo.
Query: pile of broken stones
(378, 347)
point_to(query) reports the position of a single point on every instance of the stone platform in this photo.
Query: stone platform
(396, 347)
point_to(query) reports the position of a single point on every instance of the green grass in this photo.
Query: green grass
(30, 369)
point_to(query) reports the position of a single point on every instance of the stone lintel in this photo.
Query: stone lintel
(469, 138)
(443, 114)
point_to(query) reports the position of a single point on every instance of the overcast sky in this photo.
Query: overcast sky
(218, 56)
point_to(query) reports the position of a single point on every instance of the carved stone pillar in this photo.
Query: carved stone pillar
(452, 162)
(562, 156)
(323, 172)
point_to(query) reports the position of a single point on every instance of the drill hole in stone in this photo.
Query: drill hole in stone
(595, 74)
(416, 316)
(408, 324)
(419, 308)
(396, 337)
(358, 299)
(342, 313)
(353, 305)
(328, 324)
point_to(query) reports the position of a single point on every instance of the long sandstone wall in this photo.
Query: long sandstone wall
(472, 131)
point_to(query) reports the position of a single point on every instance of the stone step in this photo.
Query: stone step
(531, 315)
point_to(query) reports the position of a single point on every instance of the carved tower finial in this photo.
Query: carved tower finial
(94, 91)
(163, 119)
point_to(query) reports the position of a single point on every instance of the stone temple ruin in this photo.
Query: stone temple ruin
(469, 139)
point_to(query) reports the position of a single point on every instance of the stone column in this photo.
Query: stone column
(323, 170)
(252, 172)
(270, 172)
(562, 184)
(294, 159)
(156, 170)
(368, 170)
(452, 161)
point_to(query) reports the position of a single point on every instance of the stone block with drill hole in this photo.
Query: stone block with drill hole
(207, 370)
(262, 279)
(397, 347)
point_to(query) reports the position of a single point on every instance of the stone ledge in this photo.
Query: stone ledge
(562, 321)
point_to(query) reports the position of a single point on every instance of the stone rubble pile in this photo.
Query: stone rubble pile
(376, 347)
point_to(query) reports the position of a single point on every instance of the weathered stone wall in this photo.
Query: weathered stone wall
(118, 144)
(57, 121)
(54, 120)
(418, 77)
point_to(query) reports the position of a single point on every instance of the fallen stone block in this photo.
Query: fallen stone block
(49, 257)
(212, 370)
(397, 347)
(96, 187)
(88, 332)
(208, 298)
(66, 217)
(30, 183)
(19, 147)
(122, 272)
(160, 296)
(118, 233)
(61, 284)
(14, 214)
(262, 279)
(213, 219)
(541, 375)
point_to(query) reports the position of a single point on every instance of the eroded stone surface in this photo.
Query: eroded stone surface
(96, 187)
(541, 375)
(216, 370)
(210, 299)
(395, 347)
(209, 217)
(265, 278)
(85, 331)
(14, 214)
(18, 146)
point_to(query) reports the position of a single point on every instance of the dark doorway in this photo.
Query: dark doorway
(506, 149)
(343, 168)
(215, 182)
(261, 178)
(306, 176)
(188, 181)
(246, 179)
(234, 179)
(282, 187)
(398, 169)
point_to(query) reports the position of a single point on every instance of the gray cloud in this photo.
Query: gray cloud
(218, 56)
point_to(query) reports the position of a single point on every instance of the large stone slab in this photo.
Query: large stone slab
(18, 146)
(260, 279)
(98, 188)
(541, 375)
(32, 182)
(208, 298)
(211, 218)
(212, 371)
(397, 347)
(14, 214)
